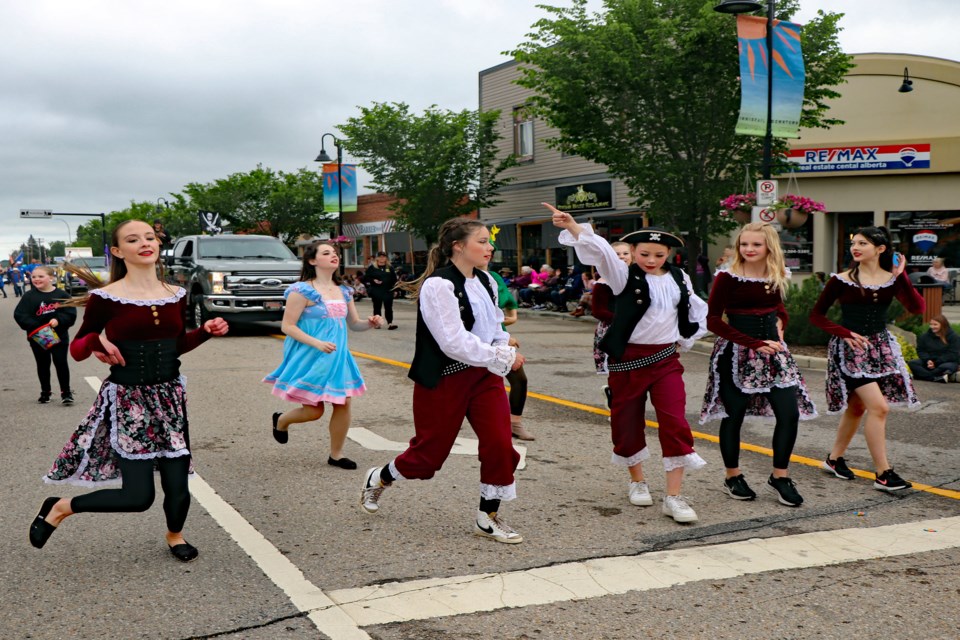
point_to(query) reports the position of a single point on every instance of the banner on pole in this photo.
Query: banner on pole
(348, 185)
(788, 77)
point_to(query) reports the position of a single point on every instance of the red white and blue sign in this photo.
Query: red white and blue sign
(863, 158)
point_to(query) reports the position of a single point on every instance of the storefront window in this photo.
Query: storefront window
(922, 236)
(798, 247)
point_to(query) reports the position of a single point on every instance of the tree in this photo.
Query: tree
(650, 89)
(58, 248)
(439, 165)
(285, 205)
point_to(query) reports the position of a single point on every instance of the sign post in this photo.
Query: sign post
(36, 213)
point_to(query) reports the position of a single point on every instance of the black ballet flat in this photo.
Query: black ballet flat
(185, 552)
(280, 436)
(343, 463)
(40, 529)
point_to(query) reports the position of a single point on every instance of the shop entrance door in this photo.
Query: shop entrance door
(847, 225)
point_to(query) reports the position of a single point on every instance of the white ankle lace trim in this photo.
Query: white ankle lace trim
(394, 473)
(691, 461)
(640, 456)
(498, 491)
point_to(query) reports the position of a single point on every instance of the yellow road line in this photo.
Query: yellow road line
(810, 462)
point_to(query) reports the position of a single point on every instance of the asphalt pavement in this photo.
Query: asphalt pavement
(286, 552)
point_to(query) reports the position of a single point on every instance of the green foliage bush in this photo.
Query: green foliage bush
(799, 303)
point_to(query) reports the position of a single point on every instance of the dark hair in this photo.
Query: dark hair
(878, 237)
(452, 231)
(307, 270)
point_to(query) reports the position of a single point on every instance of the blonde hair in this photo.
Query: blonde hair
(452, 231)
(620, 243)
(776, 265)
(50, 271)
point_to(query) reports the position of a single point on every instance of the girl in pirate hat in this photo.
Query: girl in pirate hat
(656, 315)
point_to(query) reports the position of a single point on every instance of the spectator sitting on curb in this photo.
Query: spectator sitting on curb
(939, 351)
(521, 284)
(542, 294)
(569, 289)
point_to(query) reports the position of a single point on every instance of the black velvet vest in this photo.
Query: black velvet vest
(631, 305)
(428, 359)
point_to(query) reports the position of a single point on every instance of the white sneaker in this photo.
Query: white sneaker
(372, 490)
(677, 508)
(491, 526)
(640, 494)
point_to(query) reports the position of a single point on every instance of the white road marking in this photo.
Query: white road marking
(437, 598)
(462, 446)
(328, 617)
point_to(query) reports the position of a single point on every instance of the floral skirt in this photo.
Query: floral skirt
(882, 362)
(755, 374)
(600, 357)
(143, 422)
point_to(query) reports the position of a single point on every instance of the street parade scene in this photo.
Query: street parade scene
(649, 330)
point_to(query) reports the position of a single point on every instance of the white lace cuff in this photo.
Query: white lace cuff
(498, 491)
(394, 473)
(686, 344)
(691, 461)
(503, 359)
(638, 457)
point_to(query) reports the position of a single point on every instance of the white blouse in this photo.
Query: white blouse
(659, 323)
(483, 346)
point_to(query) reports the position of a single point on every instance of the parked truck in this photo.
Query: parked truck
(238, 277)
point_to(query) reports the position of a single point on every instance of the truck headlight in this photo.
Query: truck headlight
(216, 281)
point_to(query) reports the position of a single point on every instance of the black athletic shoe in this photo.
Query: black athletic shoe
(837, 467)
(44, 397)
(66, 398)
(738, 489)
(786, 491)
(890, 481)
(608, 395)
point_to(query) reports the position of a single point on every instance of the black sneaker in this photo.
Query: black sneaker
(786, 491)
(837, 467)
(44, 397)
(890, 481)
(738, 489)
(608, 395)
(66, 398)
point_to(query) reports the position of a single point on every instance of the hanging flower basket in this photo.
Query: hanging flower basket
(343, 241)
(738, 206)
(793, 210)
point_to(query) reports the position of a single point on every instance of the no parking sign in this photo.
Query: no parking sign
(766, 192)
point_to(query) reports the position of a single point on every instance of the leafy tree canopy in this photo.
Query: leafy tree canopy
(439, 164)
(650, 89)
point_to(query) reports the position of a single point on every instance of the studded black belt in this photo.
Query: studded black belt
(645, 361)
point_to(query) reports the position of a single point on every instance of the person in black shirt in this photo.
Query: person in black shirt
(939, 351)
(380, 279)
(39, 306)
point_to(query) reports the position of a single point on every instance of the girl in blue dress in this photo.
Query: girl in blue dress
(317, 367)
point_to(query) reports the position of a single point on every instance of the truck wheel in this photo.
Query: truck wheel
(198, 313)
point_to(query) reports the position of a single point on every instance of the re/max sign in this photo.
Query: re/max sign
(855, 154)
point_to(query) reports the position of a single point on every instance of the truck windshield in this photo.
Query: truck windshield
(244, 248)
(90, 263)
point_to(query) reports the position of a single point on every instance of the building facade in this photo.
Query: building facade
(895, 161)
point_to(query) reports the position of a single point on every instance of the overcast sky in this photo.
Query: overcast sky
(108, 101)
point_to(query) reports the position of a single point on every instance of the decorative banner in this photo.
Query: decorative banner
(788, 77)
(210, 222)
(864, 158)
(348, 183)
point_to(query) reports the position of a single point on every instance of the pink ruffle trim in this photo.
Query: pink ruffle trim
(305, 397)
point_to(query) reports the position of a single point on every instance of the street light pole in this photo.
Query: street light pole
(749, 6)
(323, 157)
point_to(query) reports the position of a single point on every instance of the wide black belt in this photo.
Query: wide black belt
(146, 362)
(762, 327)
(645, 361)
(454, 367)
(865, 319)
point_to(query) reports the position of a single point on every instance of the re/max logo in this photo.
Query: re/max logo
(858, 154)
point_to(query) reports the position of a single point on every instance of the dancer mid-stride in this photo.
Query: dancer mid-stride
(865, 368)
(460, 358)
(656, 312)
(139, 420)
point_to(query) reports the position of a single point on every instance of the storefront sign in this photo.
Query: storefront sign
(369, 228)
(865, 158)
(923, 237)
(593, 196)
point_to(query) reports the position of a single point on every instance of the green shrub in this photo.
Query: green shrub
(909, 351)
(799, 303)
(902, 318)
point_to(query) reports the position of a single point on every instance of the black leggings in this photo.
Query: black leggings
(518, 391)
(138, 492)
(57, 353)
(783, 401)
(384, 301)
